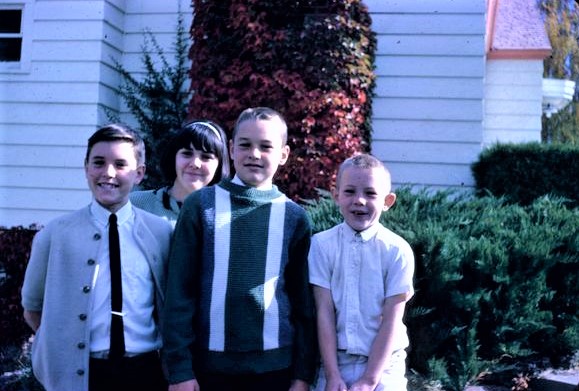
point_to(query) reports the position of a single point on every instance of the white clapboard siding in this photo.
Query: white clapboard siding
(436, 102)
(49, 112)
(428, 105)
(49, 109)
(513, 101)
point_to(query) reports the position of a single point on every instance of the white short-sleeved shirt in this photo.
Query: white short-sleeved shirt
(361, 270)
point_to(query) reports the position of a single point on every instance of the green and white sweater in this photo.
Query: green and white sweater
(238, 299)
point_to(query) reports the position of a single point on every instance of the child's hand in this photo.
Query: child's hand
(336, 384)
(299, 385)
(189, 385)
(362, 385)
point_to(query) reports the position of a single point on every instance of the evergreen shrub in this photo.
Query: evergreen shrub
(157, 99)
(312, 60)
(492, 279)
(524, 172)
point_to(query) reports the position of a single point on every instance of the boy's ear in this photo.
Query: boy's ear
(231, 149)
(285, 151)
(140, 173)
(389, 200)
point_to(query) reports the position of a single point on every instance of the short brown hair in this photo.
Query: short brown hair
(118, 132)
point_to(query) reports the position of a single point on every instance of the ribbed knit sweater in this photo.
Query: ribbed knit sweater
(238, 298)
(157, 202)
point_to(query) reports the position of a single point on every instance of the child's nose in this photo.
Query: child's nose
(360, 200)
(111, 170)
(196, 161)
(255, 152)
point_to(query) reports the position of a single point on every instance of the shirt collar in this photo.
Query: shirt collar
(365, 235)
(238, 181)
(102, 214)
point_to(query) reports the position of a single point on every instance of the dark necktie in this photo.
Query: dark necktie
(117, 347)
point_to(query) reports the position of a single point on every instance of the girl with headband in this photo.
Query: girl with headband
(196, 157)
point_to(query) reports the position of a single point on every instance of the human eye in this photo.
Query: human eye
(98, 162)
(185, 152)
(208, 156)
(348, 191)
(121, 164)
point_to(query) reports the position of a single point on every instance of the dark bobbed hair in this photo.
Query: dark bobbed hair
(118, 132)
(262, 114)
(203, 135)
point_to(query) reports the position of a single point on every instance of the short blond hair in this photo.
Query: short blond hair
(362, 160)
(261, 114)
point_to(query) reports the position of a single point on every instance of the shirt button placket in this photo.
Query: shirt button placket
(350, 294)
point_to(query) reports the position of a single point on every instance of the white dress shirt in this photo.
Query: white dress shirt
(140, 329)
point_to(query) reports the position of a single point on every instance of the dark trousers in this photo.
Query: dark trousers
(269, 381)
(142, 372)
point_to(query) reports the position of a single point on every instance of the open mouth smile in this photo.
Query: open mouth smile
(108, 185)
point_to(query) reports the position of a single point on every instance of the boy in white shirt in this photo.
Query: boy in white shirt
(361, 274)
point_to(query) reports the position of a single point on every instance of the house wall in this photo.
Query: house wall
(513, 104)
(52, 105)
(428, 109)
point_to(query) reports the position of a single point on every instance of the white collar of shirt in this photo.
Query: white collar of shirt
(101, 214)
(238, 181)
(365, 235)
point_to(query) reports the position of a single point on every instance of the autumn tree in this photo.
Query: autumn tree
(311, 60)
(562, 25)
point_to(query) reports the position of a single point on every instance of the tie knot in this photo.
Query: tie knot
(113, 218)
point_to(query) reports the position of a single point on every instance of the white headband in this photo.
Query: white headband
(213, 129)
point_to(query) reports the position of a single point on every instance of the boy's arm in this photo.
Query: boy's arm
(305, 351)
(35, 279)
(326, 321)
(180, 302)
(382, 347)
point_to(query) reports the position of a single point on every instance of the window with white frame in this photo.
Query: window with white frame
(15, 37)
(10, 35)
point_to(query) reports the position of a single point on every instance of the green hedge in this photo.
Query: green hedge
(524, 172)
(492, 279)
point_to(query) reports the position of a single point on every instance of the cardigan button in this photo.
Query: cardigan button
(80, 372)
(91, 262)
(86, 289)
(96, 236)
(82, 316)
(81, 345)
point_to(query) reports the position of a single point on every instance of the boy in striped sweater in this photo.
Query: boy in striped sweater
(239, 311)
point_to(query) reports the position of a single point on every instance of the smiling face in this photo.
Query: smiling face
(111, 170)
(258, 150)
(362, 195)
(195, 169)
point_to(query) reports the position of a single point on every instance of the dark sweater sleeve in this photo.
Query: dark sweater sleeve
(180, 305)
(305, 350)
